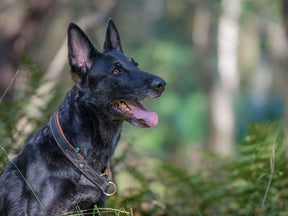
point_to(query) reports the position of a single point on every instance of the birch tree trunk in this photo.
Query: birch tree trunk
(222, 139)
(285, 21)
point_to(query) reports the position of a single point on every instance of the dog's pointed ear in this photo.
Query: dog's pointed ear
(81, 52)
(112, 40)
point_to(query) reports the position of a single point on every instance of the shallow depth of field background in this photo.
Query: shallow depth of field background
(225, 64)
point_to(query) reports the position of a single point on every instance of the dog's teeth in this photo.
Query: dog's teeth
(123, 105)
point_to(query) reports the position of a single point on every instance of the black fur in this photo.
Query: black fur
(90, 119)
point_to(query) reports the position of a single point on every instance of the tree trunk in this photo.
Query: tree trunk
(285, 21)
(222, 138)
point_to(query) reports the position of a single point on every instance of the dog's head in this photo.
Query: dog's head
(110, 81)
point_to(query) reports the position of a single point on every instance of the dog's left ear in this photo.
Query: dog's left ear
(112, 40)
(81, 53)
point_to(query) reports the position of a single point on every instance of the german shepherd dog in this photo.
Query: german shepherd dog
(42, 179)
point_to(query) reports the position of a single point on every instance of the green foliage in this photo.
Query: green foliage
(98, 212)
(246, 179)
(234, 186)
(14, 112)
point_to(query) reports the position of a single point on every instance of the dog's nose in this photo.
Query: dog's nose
(159, 84)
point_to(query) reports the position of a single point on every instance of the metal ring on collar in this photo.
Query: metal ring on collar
(104, 175)
(113, 192)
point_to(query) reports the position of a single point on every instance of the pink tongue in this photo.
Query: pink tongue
(140, 112)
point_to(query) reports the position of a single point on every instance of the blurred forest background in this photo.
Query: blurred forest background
(225, 64)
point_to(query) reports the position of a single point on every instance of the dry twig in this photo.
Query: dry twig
(272, 167)
(9, 86)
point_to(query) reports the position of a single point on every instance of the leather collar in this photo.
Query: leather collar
(77, 159)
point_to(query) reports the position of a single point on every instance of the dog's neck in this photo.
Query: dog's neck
(93, 131)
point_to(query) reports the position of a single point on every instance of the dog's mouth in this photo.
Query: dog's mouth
(136, 112)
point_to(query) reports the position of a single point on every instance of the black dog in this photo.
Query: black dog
(45, 179)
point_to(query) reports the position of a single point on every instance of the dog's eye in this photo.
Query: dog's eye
(116, 71)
